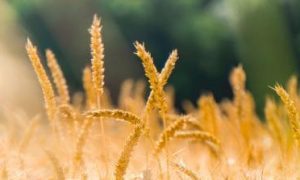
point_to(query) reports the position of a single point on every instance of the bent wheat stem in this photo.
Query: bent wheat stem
(124, 158)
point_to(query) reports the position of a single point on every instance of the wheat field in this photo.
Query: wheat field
(87, 137)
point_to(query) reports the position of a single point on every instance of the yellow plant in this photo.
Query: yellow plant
(216, 140)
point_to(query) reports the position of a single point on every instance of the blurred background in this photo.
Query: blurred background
(212, 36)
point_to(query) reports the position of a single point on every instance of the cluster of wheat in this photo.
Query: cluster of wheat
(85, 138)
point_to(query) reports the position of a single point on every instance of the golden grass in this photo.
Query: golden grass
(235, 143)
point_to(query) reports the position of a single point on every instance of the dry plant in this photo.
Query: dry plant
(87, 140)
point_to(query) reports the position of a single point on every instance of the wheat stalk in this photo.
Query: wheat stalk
(124, 158)
(97, 52)
(81, 141)
(58, 77)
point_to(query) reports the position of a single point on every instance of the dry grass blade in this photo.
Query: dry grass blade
(124, 158)
(49, 96)
(58, 77)
(116, 114)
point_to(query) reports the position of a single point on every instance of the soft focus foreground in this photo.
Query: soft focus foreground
(85, 137)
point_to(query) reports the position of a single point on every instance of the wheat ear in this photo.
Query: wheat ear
(152, 75)
(292, 111)
(208, 113)
(190, 121)
(163, 77)
(198, 135)
(124, 158)
(185, 171)
(49, 96)
(167, 134)
(58, 77)
(89, 116)
(97, 52)
(168, 68)
(116, 114)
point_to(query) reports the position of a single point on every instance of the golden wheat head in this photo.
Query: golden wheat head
(49, 96)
